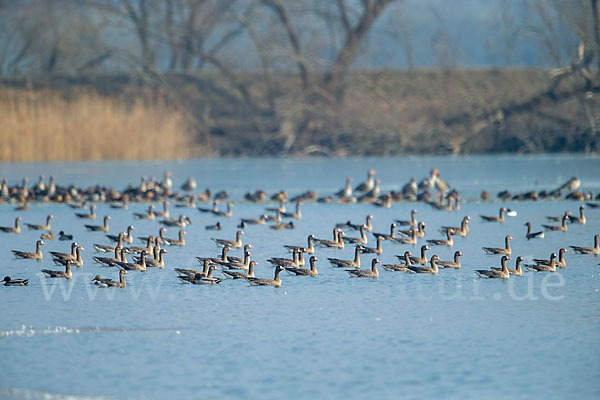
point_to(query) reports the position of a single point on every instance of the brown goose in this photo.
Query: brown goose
(543, 267)
(12, 229)
(255, 221)
(368, 225)
(500, 218)
(361, 240)
(588, 250)
(296, 214)
(236, 264)
(212, 210)
(420, 230)
(110, 283)
(517, 271)
(161, 233)
(463, 230)
(240, 274)
(369, 184)
(47, 236)
(122, 205)
(35, 227)
(107, 248)
(223, 258)
(286, 262)
(190, 274)
(181, 222)
(165, 212)
(375, 250)
(312, 271)
(109, 261)
(139, 249)
(581, 219)
(67, 274)
(347, 190)
(402, 267)
(442, 242)
(127, 237)
(90, 215)
(532, 235)
(175, 242)
(37, 255)
(411, 222)
(134, 266)
(433, 269)
(156, 262)
(247, 248)
(372, 273)
(283, 225)
(71, 255)
(422, 260)
(99, 228)
(384, 236)
(562, 227)
(559, 218)
(338, 243)
(455, 264)
(498, 250)
(267, 282)
(310, 249)
(561, 263)
(150, 214)
(77, 261)
(494, 274)
(339, 263)
(411, 240)
(227, 213)
(237, 243)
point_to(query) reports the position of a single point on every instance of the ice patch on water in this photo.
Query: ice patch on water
(28, 331)
(16, 393)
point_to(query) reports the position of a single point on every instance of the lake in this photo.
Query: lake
(448, 336)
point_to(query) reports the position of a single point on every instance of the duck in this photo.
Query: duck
(463, 230)
(544, 267)
(369, 184)
(215, 227)
(455, 264)
(562, 227)
(312, 271)
(373, 250)
(533, 235)
(241, 274)
(99, 228)
(349, 225)
(581, 219)
(124, 237)
(47, 236)
(110, 283)
(67, 274)
(12, 229)
(276, 281)
(498, 250)
(64, 236)
(37, 255)
(433, 269)
(90, 215)
(400, 267)
(134, 266)
(422, 259)
(175, 242)
(588, 250)
(286, 262)
(296, 214)
(495, 274)
(500, 218)
(361, 240)
(77, 261)
(337, 241)
(237, 243)
(442, 242)
(165, 212)
(339, 263)
(36, 227)
(385, 236)
(359, 273)
(14, 282)
(411, 222)
(420, 230)
(517, 271)
(561, 263)
(150, 214)
(309, 249)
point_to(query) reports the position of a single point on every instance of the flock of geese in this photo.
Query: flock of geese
(432, 191)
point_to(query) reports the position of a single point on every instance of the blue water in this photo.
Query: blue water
(401, 336)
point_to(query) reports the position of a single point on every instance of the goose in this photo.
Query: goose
(532, 235)
(150, 214)
(247, 248)
(297, 214)
(276, 281)
(77, 261)
(368, 225)
(281, 207)
(99, 228)
(400, 267)
(310, 249)
(35, 227)
(134, 266)
(581, 219)
(244, 265)
(411, 222)
(368, 184)
(347, 190)
(463, 230)
(181, 222)
(24, 206)
(189, 202)
(237, 243)
(215, 227)
(189, 185)
(109, 283)
(588, 250)
(90, 215)
(64, 236)
(107, 248)
(452, 264)
(283, 225)
(494, 274)
(165, 212)
(420, 230)
(240, 274)
(14, 282)
(122, 205)
(544, 267)
(376, 250)
(411, 240)
(67, 274)
(561, 263)
(138, 249)
(442, 242)
(227, 213)
(175, 242)
(339, 263)
(517, 271)
(286, 262)
(79, 206)
(47, 236)
(433, 269)
(384, 201)
(12, 229)
(191, 273)
(372, 273)
(422, 260)
(71, 255)
(571, 185)
(109, 261)
(126, 237)
(498, 250)
(223, 258)
(562, 227)
(361, 240)
(312, 271)
(156, 263)
(500, 218)
(391, 235)
(276, 218)
(255, 221)
(161, 233)
(37, 255)
(336, 242)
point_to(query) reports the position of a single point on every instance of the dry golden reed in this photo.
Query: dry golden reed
(45, 126)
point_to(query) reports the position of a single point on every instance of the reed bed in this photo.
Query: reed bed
(42, 125)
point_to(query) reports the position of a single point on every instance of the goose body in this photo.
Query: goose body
(241, 274)
(561, 263)
(237, 243)
(495, 274)
(411, 222)
(588, 250)
(562, 227)
(498, 250)
(385, 236)
(337, 243)
(99, 228)
(374, 250)
(309, 249)
(499, 218)
(35, 227)
(276, 281)
(420, 230)
(126, 237)
(110, 283)
(401, 267)
(12, 229)
(544, 267)
(37, 255)
(141, 266)
(312, 271)
(433, 269)
(442, 242)
(463, 230)
(455, 264)
(66, 274)
(422, 259)
(175, 242)
(90, 215)
(360, 273)
(339, 263)
(517, 271)
(361, 240)
(77, 260)
(533, 235)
